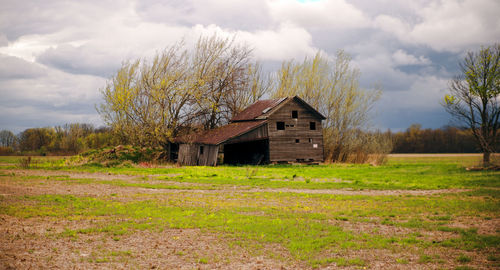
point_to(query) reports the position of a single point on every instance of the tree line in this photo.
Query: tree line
(68, 139)
(447, 139)
(79, 137)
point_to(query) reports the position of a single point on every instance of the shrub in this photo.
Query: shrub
(6, 151)
(122, 155)
(361, 147)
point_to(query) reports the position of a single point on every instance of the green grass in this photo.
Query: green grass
(311, 227)
(297, 221)
(15, 159)
(399, 173)
(409, 176)
(463, 259)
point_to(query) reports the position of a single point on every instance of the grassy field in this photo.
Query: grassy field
(414, 212)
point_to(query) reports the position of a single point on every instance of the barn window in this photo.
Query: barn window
(201, 150)
(312, 125)
(280, 125)
(295, 114)
(297, 140)
(310, 140)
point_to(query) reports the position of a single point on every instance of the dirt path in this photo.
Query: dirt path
(87, 175)
(60, 187)
(367, 192)
(437, 155)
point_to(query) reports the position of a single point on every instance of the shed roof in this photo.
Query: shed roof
(222, 134)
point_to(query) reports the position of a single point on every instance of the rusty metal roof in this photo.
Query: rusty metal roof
(222, 134)
(257, 109)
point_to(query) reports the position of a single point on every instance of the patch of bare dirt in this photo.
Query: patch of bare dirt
(362, 192)
(98, 176)
(51, 185)
(24, 245)
(396, 231)
(54, 187)
(409, 258)
(483, 226)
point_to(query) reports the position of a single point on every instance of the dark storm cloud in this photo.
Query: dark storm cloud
(400, 119)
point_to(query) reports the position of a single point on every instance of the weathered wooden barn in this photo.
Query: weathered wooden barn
(268, 131)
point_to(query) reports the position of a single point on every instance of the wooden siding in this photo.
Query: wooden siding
(256, 134)
(190, 154)
(282, 143)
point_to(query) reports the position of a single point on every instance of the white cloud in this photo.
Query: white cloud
(448, 25)
(402, 58)
(319, 14)
(286, 42)
(453, 25)
(393, 25)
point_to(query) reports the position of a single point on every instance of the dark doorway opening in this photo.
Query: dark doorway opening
(174, 152)
(253, 152)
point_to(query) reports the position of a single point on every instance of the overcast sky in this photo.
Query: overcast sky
(56, 55)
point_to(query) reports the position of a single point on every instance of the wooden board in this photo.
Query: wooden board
(191, 154)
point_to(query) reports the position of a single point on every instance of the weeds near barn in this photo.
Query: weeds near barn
(25, 162)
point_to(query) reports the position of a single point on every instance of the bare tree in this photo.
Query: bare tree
(7, 138)
(333, 88)
(229, 81)
(146, 100)
(473, 97)
(150, 102)
(251, 86)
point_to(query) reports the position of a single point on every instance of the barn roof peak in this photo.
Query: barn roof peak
(261, 109)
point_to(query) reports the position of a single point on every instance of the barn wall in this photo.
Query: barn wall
(282, 145)
(209, 156)
(189, 154)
